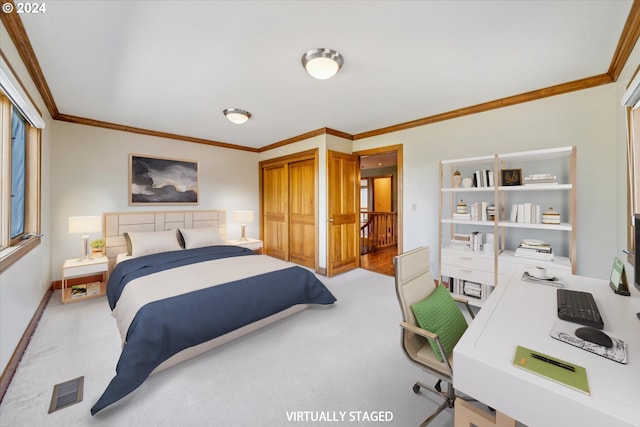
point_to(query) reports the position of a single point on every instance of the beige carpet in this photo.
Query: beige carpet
(341, 366)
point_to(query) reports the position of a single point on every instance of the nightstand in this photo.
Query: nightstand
(82, 268)
(253, 244)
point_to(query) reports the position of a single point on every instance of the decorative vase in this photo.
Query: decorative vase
(96, 252)
(467, 182)
(461, 208)
(551, 217)
(456, 179)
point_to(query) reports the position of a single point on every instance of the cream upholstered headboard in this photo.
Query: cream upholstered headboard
(118, 223)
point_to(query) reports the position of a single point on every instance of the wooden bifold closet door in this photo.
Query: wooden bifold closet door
(289, 209)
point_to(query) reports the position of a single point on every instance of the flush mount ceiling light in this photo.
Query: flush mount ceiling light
(237, 116)
(322, 63)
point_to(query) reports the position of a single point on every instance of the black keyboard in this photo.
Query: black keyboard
(579, 307)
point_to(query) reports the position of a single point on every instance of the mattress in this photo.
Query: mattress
(172, 306)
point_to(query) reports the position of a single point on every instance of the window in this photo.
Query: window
(19, 172)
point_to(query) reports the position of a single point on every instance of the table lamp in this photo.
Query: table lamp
(84, 225)
(242, 217)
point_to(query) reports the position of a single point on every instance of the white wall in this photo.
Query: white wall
(586, 119)
(91, 171)
(23, 284)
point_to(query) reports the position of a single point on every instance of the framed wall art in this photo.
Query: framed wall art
(162, 181)
(510, 177)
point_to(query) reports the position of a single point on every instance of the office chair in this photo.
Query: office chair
(414, 283)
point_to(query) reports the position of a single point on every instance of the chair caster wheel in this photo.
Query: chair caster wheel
(416, 388)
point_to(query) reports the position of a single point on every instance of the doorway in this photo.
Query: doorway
(380, 208)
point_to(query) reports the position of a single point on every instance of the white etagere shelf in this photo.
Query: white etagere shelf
(490, 268)
(565, 226)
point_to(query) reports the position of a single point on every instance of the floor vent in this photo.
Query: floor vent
(66, 394)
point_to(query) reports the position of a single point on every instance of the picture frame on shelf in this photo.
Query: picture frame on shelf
(510, 177)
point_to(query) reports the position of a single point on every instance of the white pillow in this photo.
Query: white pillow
(199, 237)
(153, 242)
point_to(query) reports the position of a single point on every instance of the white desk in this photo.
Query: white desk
(523, 313)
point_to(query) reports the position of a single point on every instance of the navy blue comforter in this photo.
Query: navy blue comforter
(163, 328)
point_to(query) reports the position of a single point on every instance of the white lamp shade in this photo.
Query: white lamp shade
(322, 68)
(242, 216)
(84, 224)
(322, 63)
(236, 115)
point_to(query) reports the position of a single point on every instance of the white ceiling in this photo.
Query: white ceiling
(173, 66)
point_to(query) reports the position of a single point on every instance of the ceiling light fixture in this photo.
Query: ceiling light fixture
(322, 63)
(237, 116)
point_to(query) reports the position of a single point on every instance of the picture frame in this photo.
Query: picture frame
(509, 177)
(162, 181)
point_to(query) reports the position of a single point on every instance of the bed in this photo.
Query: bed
(177, 290)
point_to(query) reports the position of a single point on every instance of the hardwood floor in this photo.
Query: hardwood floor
(380, 261)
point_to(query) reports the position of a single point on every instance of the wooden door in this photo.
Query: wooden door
(275, 190)
(342, 205)
(302, 212)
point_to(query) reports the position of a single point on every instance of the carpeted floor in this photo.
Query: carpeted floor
(341, 365)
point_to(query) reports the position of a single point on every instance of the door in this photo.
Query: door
(275, 190)
(342, 206)
(302, 212)
(382, 194)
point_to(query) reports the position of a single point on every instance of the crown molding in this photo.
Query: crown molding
(132, 129)
(629, 37)
(589, 82)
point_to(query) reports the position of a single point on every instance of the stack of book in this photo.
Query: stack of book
(461, 216)
(471, 289)
(541, 178)
(460, 239)
(526, 213)
(480, 211)
(78, 291)
(534, 250)
(483, 178)
(475, 241)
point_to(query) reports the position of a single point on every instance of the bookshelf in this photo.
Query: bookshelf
(506, 196)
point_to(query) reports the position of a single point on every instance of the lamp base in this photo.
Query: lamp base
(243, 229)
(85, 249)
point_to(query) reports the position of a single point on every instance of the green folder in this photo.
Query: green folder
(557, 370)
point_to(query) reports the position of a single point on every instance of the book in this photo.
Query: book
(534, 255)
(526, 249)
(514, 213)
(78, 291)
(93, 288)
(560, 371)
(461, 216)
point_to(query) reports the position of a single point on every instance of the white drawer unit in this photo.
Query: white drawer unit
(466, 273)
(468, 259)
(463, 267)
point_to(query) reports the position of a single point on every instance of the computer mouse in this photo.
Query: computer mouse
(595, 336)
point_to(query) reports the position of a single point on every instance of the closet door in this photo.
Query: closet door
(275, 191)
(302, 212)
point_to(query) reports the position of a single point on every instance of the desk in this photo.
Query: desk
(523, 313)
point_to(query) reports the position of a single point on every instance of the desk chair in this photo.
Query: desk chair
(414, 283)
